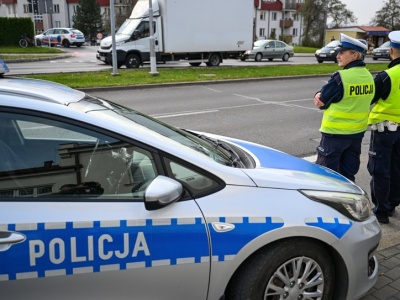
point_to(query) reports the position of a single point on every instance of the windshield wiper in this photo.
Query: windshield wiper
(234, 158)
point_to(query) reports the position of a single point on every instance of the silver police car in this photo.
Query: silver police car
(98, 201)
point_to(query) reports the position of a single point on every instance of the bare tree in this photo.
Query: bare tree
(388, 16)
(340, 15)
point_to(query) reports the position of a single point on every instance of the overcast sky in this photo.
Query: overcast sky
(364, 10)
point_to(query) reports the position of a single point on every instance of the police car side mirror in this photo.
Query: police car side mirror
(161, 192)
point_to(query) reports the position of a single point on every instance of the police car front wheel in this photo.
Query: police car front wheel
(292, 269)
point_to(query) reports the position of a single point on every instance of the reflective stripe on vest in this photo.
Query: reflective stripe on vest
(350, 115)
(389, 109)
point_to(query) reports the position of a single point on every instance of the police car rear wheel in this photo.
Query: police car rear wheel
(293, 269)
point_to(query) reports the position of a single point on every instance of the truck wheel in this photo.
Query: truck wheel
(292, 269)
(133, 61)
(66, 43)
(195, 64)
(285, 57)
(214, 60)
(258, 57)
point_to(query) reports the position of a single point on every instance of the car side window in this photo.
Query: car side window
(42, 158)
(196, 181)
(271, 44)
(280, 45)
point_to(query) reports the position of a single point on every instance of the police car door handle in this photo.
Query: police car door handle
(8, 238)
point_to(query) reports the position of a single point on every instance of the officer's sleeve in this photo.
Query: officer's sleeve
(332, 92)
(383, 86)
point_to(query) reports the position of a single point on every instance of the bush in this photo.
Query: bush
(11, 30)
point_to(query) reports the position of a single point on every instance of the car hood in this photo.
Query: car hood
(276, 169)
(107, 41)
(326, 49)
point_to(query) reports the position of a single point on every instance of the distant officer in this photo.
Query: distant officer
(346, 100)
(384, 150)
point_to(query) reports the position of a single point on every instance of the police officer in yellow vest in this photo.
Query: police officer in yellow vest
(346, 100)
(384, 150)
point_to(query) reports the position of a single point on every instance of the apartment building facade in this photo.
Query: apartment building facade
(272, 18)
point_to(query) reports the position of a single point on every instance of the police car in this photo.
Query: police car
(98, 201)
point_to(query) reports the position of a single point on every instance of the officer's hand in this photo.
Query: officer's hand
(317, 101)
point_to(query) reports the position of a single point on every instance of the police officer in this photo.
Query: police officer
(346, 100)
(384, 149)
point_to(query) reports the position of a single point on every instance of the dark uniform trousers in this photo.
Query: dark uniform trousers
(340, 154)
(384, 168)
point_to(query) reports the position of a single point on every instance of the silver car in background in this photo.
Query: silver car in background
(269, 49)
(383, 51)
(98, 201)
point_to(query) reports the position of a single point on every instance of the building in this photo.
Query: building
(54, 13)
(279, 20)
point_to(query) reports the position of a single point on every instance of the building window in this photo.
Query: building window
(274, 16)
(262, 32)
(262, 15)
(26, 9)
(295, 17)
(57, 23)
(106, 11)
(75, 6)
(294, 31)
(56, 8)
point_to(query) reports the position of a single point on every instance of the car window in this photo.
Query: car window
(50, 31)
(42, 158)
(196, 182)
(271, 44)
(280, 44)
(333, 44)
(64, 31)
(385, 45)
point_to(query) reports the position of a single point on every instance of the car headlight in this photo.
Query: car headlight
(332, 51)
(317, 52)
(355, 206)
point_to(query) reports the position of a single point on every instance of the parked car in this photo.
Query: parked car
(329, 52)
(269, 49)
(100, 196)
(61, 36)
(383, 51)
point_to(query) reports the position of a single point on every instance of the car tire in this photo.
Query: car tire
(320, 61)
(258, 57)
(214, 60)
(375, 58)
(270, 59)
(243, 59)
(38, 42)
(285, 57)
(268, 274)
(133, 61)
(66, 44)
(195, 64)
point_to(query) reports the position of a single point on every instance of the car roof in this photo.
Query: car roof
(39, 90)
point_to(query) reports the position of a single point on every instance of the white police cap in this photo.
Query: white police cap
(349, 43)
(394, 37)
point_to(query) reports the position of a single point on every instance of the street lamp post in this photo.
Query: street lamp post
(153, 69)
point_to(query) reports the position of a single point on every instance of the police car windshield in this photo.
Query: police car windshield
(185, 138)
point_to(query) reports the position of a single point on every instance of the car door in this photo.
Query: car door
(47, 37)
(73, 223)
(279, 49)
(269, 50)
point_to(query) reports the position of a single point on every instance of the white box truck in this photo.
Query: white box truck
(194, 30)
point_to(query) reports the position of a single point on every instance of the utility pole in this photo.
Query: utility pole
(153, 68)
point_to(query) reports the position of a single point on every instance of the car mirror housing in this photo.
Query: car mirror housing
(161, 192)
